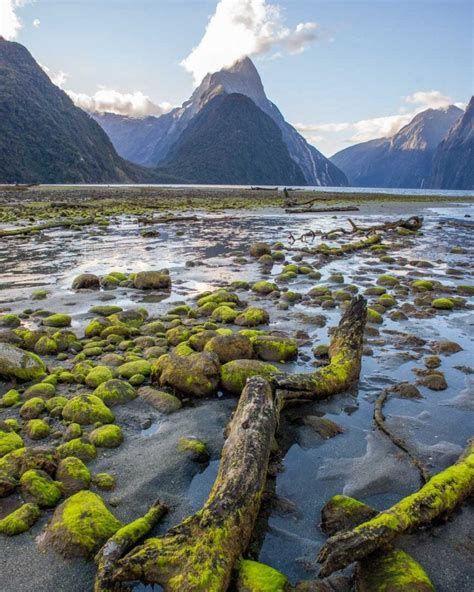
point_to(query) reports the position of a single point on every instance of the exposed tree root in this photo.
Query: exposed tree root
(65, 223)
(345, 352)
(328, 251)
(414, 223)
(437, 498)
(379, 420)
(124, 539)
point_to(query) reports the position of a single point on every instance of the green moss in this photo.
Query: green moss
(387, 300)
(252, 317)
(224, 314)
(86, 410)
(272, 348)
(9, 320)
(10, 398)
(46, 346)
(78, 447)
(32, 408)
(57, 320)
(9, 441)
(442, 303)
(218, 297)
(129, 369)
(16, 363)
(177, 335)
(37, 429)
(95, 327)
(55, 403)
(115, 392)
(422, 285)
(81, 525)
(39, 295)
(466, 289)
(264, 287)
(387, 280)
(38, 487)
(98, 375)
(104, 310)
(373, 316)
(183, 350)
(234, 374)
(20, 520)
(12, 423)
(258, 577)
(43, 390)
(109, 436)
(104, 481)
(197, 448)
(73, 475)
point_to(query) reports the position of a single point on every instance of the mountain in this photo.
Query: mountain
(453, 162)
(241, 78)
(403, 160)
(44, 137)
(231, 141)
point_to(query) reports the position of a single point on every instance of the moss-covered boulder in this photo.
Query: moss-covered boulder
(152, 280)
(274, 348)
(104, 481)
(387, 280)
(16, 363)
(10, 398)
(73, 474)
(258, 249)
(196, 375)
(80, 525)
(160, 400)
(253, 576)
(341, 512)
(86, 410)
(44, 390)
(224, 314)
(37, 429)
(98, 375)
(79, 447)
(57, 320)
(32, 408)
(95, 327)
(9, 440)
(230, 347)
(442, 303)
(115, 392)
(107, 436)
(374, 317)
(39, 488)
(129, 369)
(46, 346)
(10, 321)
(86, 281)
(252, 316)
(177, 335)
(234, 374)
(195, 448)
(264, 287)
(20, 520)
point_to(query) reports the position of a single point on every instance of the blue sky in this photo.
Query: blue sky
(353, 78)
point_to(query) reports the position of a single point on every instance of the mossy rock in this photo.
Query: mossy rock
(199, 340)
(96, 326)
(10, 321)
(16, 363)
(80, 525)
(230, 347)
(105, 310)
(253, 576)
(108, 436)
(258, 249)
(273, 348)
(387, 301)
(73, 475)
(32, 408)
(422, 285)
(387, 280)
(195, 448)
(153, 328)
(86, 281)
(104, 481)
(55, 403)
(234, 374)
(442, 304)
(152, 280)
(39, 488)
(46, 346)
(374, 317)
(115, 392)
(10, 398)
(9, 441)
(341, 512)
(79, 447)
(73, 430)
(20, 520)
(375, 291)
(86, 410)
(160, 400)
(57, 320)
(39, 295)
(196, 375)
(129, 369)
(43, 390)
(37, 429)
(98, 375)
(177, 335)
(252, 317)
(264, 287)
(224, 314)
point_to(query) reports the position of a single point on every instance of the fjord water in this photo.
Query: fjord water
(359, 462)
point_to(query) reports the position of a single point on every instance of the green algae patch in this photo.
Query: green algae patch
(234, 374)
(80, 525)
(264, 287)
(258, 577)
(115, 392)
(422, 285)
(442, 304)
(392, 571)
(108, 436)
(38, 487)
(86, 410)
(21, 520)
(73, 474)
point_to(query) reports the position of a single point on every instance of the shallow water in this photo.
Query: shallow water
(359, 462)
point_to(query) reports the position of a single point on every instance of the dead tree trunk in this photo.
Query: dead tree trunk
(65, 223)
(345, 352)
(438, 497)
(199, 554)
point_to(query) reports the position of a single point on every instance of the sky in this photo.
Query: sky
(341, 71)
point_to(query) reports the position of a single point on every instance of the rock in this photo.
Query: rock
(195, 448)
(446, 347)
(98, 375)
(37, 429)
(224, 314)
(373, 316)
(57, 320)
(152, 280)
(79, 447)
(405, 390)
(37, 487)
(343, 513)
(80, 526)
(130, 369)
(264, 287)
(104, 481)
(196, 375)
(324, 427)
(16, 363)
(259, 249)
(274, 348)
(10, 321)
(86, 281)
(9, 441)
(442, 303)
(432, 362)
(20, 520)
(115, 392)
(107, 436)
(86, 410)
(43, 390)
(73, 475)
(253, 576)
(230, 347)
(251, 317)
(434, 380)
(32, 408)
(234, 374)
(159, 400)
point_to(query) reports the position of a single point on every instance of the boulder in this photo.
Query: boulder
(86, 281)
(230, 347)
(196, 375)
(16, 363)
(152, 280)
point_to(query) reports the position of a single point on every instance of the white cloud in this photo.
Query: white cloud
(10, 22)
(431, 99)
(36, 23)
(57, 78)
(240, 28)
(134, 104)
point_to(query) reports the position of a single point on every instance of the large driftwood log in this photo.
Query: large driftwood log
(64, 223)
(199, 554)
(438, 497)
(322, 210)
(345, 352)
(123, 540)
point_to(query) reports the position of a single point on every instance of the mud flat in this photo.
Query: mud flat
(245, 281)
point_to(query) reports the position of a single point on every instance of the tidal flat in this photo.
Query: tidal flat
(419, 288)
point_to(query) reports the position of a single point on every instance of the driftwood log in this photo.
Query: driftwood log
(413, 223)
(65, 223)
(123, 540)
(437, 498)
(200, 553)
(322, 210)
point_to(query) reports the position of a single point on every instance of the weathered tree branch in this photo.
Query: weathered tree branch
(64, 223)
(438, 497)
